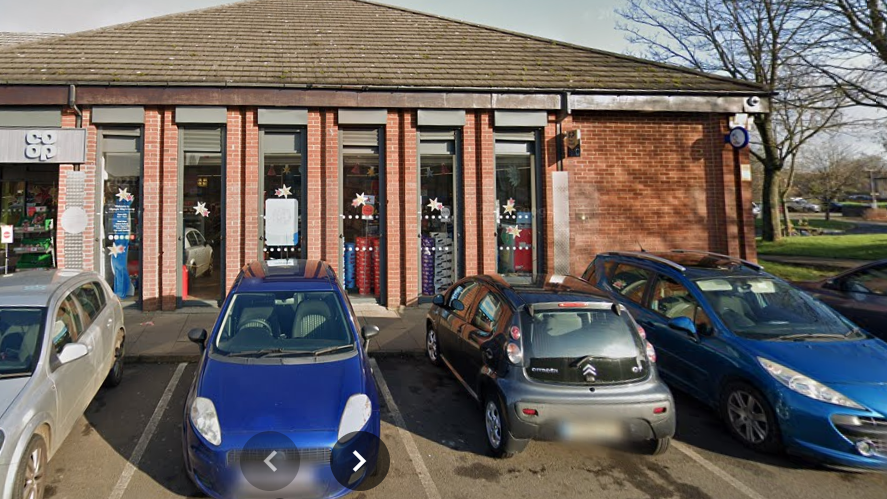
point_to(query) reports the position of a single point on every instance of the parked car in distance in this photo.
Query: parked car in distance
(802, 205)
(835, 207)
(198, 253)
(285, 356)
(784, 370)
(859, 294)
(61, 338)
(755, 210)
(549, 361)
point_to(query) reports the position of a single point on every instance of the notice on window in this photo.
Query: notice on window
(281, 222)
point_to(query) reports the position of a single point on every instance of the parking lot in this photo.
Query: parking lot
(128, 445)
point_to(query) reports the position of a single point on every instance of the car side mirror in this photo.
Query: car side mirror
(686, 325)
(72, 352)
(198, 335)
(438, 300)
(369, 331)
(458, 306)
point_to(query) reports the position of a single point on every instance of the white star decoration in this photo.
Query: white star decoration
(513, 230)
(124, 195)
(359, 200)
(434, 204)
(201, 210)
(115, 250)
(285, 192)
(509, 206)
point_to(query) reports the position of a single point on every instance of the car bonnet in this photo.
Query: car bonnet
(858, 362)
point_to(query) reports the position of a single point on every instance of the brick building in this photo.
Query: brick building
(406, 149)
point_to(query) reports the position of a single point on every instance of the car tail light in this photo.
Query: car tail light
(642, 332)
(569, 304)
(515, 355)
(660, 410)
(515, 333)
(651, 352)
(531, 412)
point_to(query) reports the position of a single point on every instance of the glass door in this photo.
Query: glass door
(202, 201)
(516, 186)
(438, 254)
(283, 211)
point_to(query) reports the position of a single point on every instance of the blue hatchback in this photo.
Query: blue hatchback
(285, 359)
(784, 370)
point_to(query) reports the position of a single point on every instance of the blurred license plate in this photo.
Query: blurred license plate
(591, 430)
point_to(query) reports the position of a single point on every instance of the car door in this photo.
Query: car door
(74, 381)
(861, 296)
(91, 298)
(685, 359)
(487, 320)
(451, 320)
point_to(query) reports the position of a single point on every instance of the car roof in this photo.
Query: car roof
(285, 275)
(34, 288)
(544, 289)
(691, 263)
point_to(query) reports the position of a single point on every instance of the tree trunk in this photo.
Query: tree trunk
(772, 165)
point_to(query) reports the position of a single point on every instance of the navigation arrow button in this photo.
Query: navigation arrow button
(360, 461)
(268, 460)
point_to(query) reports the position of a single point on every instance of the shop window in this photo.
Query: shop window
(120, 195)
(438, 207)
(203, 187)
(361, 217)
(516, 193)
(28, 202)
(283, 209)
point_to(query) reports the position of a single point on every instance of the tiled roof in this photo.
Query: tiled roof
(8, 39)
(337, 44)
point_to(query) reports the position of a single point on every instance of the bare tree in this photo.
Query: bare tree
(829, 171)
(753, 40)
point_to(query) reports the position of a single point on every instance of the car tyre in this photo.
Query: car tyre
(749, 418)
(30, 478)
(115, 376)
(499, 439)
(432, 346)
(656, 446)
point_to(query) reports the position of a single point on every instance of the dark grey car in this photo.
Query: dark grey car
(550, 360)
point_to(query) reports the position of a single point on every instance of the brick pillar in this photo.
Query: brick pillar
(747, 247)
(151, 207)
(170, 235)
(486, 193)
(314, 239)
(69, 120)
(330, 194)
(730, 189)
(411, 240)
(251, 194)
(393, 213)
(470, 165)
(233, 196)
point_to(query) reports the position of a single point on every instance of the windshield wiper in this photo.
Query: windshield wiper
(267, 352)
(801, 336)
(333, 349)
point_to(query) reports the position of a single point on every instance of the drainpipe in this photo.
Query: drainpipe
(72, 103)
(561, 115)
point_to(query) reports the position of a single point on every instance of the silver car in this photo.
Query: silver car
(61, 337)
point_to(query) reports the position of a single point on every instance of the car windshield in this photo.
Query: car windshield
(20, 332)
(766, 308)
(283, 324)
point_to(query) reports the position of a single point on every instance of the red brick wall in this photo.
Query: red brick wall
(169, 233)
(251, 194)
(470, 164)
(234, 197)
(410, 232)
(330, 185)
(69, 120)
(394, 208)
(151, 205)
(316, 186)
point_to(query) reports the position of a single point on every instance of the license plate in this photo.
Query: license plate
(592, 431)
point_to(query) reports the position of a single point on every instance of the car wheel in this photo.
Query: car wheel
(432, 347)
(209, 270)
(655, 447)
(750, 419)
(498, 436)
(30, 478)
(115, 376)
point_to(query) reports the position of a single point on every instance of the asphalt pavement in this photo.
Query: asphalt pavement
(128, 445)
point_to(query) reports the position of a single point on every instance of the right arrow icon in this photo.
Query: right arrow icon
(360, 461)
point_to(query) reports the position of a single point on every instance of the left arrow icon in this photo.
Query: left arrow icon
(268, 461)
(360, 461)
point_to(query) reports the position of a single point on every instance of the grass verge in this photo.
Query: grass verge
(795, 272)
(850, 247)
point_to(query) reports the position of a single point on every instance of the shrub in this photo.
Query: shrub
(875, 214)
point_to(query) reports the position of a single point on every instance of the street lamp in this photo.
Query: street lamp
(874, 193)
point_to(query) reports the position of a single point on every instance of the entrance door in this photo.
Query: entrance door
(439, 205)
(516, 196)
(202, 208)
(283, 211)
(362, 213)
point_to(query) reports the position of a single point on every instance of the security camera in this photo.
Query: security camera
(753, 101)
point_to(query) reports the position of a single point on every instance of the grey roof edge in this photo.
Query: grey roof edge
(382, 88)
(674, 67)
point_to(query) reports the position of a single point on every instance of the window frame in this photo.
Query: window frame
(75, 329)
(79, 294)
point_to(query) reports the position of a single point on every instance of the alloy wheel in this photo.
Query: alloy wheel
(494, 424)
(34, 474)
(431, 343)
(748, 417)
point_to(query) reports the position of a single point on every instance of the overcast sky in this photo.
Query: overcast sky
(585, 22)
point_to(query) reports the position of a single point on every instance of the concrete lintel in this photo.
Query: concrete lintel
(669, 103)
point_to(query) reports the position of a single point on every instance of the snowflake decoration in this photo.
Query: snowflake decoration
(284, 192)
(434, 204)
(509, 206)
(359, 200)
(200, 209)
(124, 195)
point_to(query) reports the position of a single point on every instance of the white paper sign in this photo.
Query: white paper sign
(6, 234)
(281, 222)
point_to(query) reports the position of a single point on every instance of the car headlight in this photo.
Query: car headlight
(805, 385)
(357, 412)
(205, 420)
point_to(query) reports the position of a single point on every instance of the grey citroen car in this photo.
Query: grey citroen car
(61, 338)
(550, 360)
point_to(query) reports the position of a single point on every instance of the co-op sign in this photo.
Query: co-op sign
(42, 145)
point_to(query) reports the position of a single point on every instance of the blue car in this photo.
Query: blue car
(784, 371)
(283, 377)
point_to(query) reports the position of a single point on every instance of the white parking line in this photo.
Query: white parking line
(430, 489)
(142, 444)
(723, 475)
